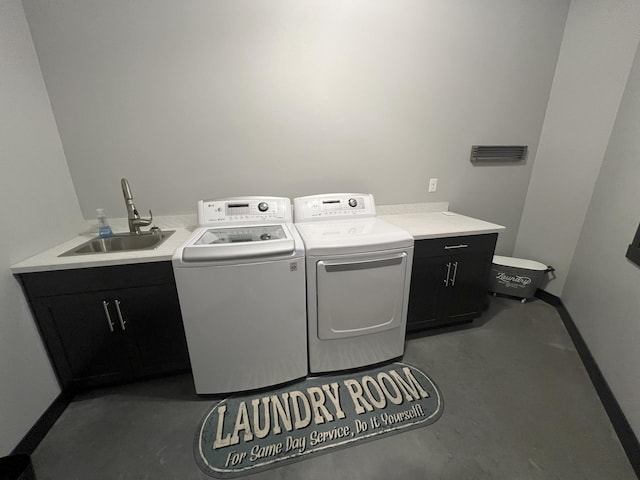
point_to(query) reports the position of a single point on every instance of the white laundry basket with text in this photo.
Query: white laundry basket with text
(516, 276)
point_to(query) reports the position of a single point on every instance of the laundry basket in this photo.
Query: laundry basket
(516, 277)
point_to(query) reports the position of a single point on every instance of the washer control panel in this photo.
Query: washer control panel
(244, 210)
(333, 206)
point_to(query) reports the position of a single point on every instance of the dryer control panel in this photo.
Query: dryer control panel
(244, 210)
(333, 206)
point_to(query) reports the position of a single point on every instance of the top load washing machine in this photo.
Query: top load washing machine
(241, 283)
(358, 276)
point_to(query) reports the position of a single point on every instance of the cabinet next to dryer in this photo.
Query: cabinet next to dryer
(449, 280)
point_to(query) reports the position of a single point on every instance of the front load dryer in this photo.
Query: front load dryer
(358, 277)
(241, 283)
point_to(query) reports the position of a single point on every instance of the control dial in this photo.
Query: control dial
(265, 236)
(353, 202)
(263, 206)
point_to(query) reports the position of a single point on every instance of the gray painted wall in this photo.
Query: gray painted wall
(38, 209)
(202, 98)
(602, 290)
(199, 99)
(597, 50)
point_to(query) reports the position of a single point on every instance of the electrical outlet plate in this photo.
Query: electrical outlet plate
(433, 184)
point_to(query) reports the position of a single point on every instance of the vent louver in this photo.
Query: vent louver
(498, 153)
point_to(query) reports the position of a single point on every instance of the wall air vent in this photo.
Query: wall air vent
(498, 153)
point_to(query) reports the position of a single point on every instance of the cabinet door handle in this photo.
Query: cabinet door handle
(446, 280)
(449, 247)
(455, 273)
(122, 320)
(105, 305)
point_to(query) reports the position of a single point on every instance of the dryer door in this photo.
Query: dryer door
(360, 294)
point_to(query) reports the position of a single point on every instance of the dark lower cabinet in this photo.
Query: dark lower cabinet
(109, 324)
(154, 345)
(91, 347)
(449, 280)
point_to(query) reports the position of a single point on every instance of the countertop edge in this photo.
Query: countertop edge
(20, 270)
(458, 234)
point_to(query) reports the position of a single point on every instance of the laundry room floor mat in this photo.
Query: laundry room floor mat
(245, 434)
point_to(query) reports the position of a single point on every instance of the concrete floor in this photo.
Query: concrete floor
(518, 405)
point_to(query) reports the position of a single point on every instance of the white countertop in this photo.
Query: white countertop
(428, 220)
(50, 259)
(440, 224)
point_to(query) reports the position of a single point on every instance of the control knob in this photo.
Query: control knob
(263, 206)
(265, 236)
(353, 202)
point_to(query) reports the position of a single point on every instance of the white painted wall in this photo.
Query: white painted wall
(199, 98)
(600, 39)
(602, 290)
(38, 209)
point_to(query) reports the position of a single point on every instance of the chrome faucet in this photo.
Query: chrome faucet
(135, 221)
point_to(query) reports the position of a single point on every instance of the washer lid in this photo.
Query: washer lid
(352, 236)
(238, 242)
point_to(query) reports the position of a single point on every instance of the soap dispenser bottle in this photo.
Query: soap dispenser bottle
(104, 230)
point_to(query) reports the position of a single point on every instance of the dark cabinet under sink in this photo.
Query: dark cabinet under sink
(109, 324)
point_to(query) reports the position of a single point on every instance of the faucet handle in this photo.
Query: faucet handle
(141, 222)
(147, 221)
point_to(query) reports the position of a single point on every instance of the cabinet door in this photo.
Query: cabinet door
(467, 286)
(92, 346)
(70, 314)
(449, 280)
(153, 328)
(427, 294)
